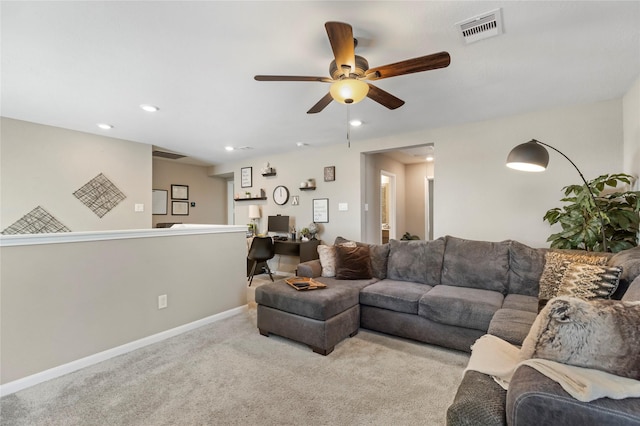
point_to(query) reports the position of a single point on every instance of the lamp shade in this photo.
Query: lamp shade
(349, 90)
(254, 211)
(529, 157)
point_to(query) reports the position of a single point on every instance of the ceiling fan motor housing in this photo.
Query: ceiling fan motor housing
(362, 65)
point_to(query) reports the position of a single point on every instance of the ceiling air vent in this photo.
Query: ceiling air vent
(170, 155)
(482, 26)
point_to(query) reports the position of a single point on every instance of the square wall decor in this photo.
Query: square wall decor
(100, 195)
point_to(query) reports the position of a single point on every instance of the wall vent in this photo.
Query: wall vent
(170, 155)
(481, 27)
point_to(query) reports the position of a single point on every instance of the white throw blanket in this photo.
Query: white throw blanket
(499, 359)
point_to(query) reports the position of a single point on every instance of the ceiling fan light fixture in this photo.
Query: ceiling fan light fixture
(349, 91)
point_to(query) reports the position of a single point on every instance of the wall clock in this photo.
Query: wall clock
(281, 195)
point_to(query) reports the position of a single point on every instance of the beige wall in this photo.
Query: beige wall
(43, 165)
(209, 193)
(87, 297)
(631, 111)
(476, 195)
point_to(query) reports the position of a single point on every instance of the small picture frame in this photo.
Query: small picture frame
(321, 210)
(159, 201)
(180, 208)
(295, 200)
(330, 173)
(246, 177)
(179, 192)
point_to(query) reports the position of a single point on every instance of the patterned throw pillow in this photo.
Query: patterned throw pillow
(590, 281)
(327, 255)
(556, 263)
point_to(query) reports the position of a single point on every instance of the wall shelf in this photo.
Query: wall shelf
(250, 199)
(308, 188)
(269, 174)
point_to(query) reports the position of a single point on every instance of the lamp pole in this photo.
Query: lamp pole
(593, 197)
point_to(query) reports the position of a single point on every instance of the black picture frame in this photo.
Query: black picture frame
(180, 208)
(246, 177)
(321, 210)
(179, 192)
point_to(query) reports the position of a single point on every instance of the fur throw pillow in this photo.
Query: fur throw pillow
(600, 334)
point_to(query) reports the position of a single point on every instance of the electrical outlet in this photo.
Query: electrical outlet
(162, 301)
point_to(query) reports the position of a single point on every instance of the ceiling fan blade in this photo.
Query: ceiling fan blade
(291, 78)
(341, 39)
(322, 103)
(384, 98)
(423, 63)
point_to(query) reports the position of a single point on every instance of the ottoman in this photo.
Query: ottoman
(318, 318)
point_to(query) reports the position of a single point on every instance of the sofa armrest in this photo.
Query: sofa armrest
(534, 399)
(310, 269)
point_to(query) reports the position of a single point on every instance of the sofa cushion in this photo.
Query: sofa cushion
(379, 256)
(629, 261)
(525, 268)
(418, 261)
(521, 302)
(476, 264)
(460, 306)
(321, 305)
(512, 325)
(353, 263)
(398, 296)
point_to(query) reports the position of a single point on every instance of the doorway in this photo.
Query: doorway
(387, 206)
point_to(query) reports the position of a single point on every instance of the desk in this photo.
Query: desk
(305, 250)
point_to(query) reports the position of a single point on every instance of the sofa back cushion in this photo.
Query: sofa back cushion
(629, 261)
(417, 261)
(476, 264)
(525, 268)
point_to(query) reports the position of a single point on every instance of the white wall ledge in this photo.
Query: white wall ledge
(76, 237)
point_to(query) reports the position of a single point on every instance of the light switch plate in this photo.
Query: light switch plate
(343, 207)
(139, 207)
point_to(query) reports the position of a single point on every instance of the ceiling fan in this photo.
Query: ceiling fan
(350, 72)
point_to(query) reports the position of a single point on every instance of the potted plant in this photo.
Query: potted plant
(581, 223)
(305, 234)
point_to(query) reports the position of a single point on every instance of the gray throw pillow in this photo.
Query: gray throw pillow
(600, 334)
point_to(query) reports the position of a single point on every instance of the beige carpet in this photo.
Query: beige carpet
(226, 373)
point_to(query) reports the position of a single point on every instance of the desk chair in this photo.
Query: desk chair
(261, 250)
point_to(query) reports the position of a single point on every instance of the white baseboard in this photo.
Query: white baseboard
(52, 373)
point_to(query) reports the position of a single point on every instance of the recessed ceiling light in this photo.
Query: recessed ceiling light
(149, 108)
(228, 148)
(301, 144)
(429, 158)
(355, 123)
(105, 126)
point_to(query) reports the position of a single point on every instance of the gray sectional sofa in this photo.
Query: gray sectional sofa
(447, 292)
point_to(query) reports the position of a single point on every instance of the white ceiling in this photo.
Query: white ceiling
(75, 64)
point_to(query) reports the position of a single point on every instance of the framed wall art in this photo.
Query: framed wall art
(179, 192)
(159, 201)
(246, 177)
(330, 173)
(180, 208)
(321, 210)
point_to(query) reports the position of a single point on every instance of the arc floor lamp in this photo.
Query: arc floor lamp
(533, 157)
